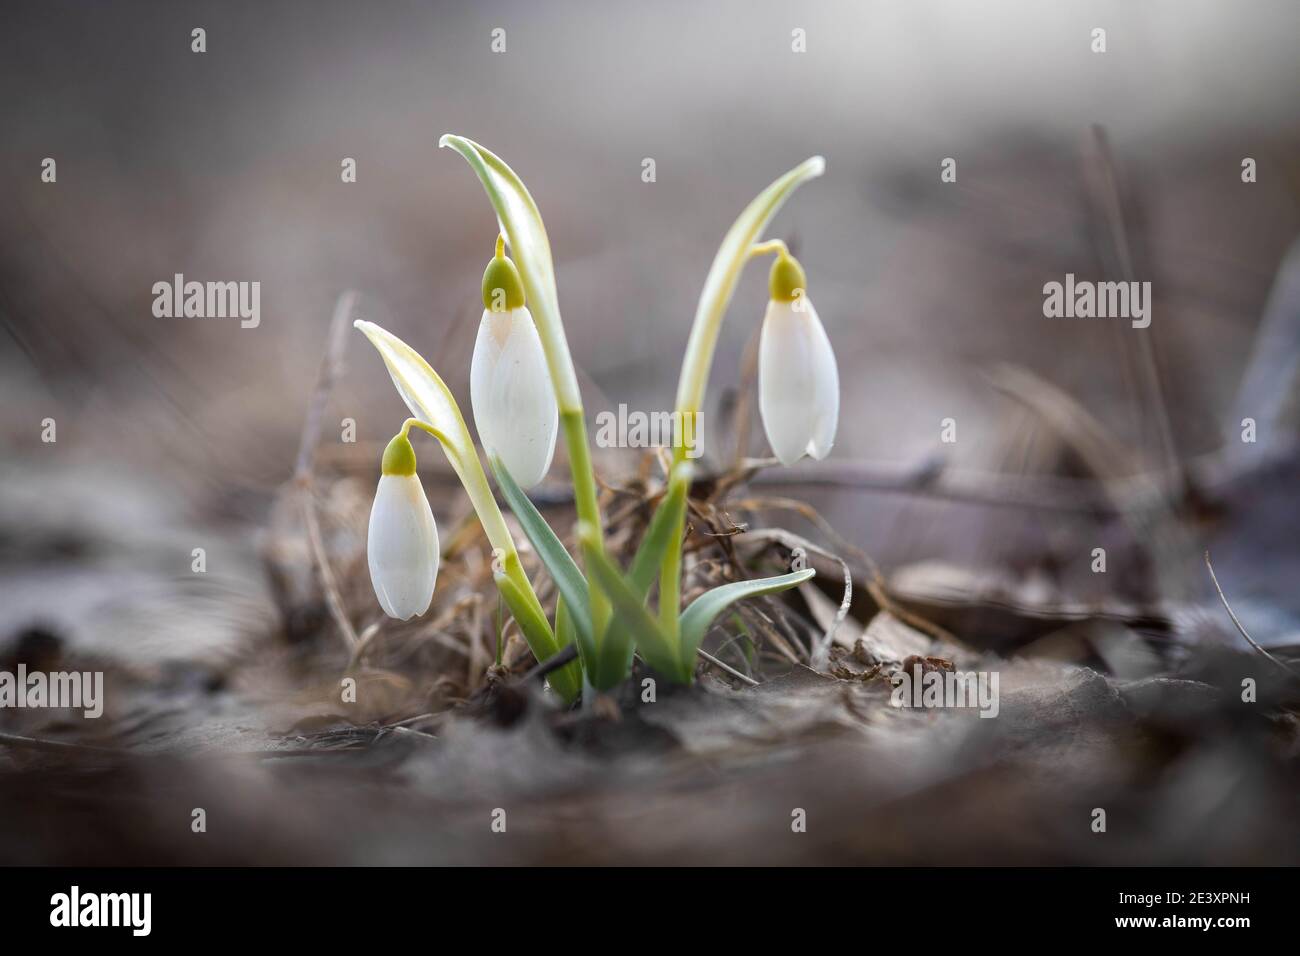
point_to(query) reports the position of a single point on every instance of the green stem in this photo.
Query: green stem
(425, 427)
(539, 635)
(586, 502)
(670, 581)
(766, 248)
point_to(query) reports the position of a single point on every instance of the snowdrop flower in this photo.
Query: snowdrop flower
(402, 544)
(509, 385)
(798, 381)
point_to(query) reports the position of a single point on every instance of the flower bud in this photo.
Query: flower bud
(798, 379)
(402, 541)
(503, 288)
(509, 384)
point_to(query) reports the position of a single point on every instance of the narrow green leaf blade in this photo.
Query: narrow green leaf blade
(563, 570)
(566, 632)
(423, 390)
(567, 680)
(631, 619)
(695, 620)
(666, 522)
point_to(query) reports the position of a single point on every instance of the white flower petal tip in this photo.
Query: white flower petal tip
(402, 547)
(798, 382)
(510, 390)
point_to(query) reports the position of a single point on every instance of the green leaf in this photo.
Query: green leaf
(565, 631)
(664, 525)
(567, 680)
(666, 522)
(563, 570)
(521, 221)
(631, 621)
(695, 620)
(423, 390)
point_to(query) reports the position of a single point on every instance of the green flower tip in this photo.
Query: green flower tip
(787, 281)
(399, 457)
(503, 289)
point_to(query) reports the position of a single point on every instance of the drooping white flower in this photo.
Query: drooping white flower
(402, 542)
(798, 380)
(509, 384)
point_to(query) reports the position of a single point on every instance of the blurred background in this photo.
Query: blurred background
(1071, 434)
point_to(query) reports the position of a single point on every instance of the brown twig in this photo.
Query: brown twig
(1108, 203)
(875, 583)
(745, 398)
(553, 663)
(366, 638)
(726, 667)
(819, 653)
(329, 369)
(1240, 629)
(331, 365)
(18, 741)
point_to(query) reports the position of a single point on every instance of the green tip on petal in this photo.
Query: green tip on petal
(503, 289)
(399, 457)
(787, 281)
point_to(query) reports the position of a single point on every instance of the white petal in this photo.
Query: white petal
(798, 384)
(826, 387)
(402, 547)
(510, 391)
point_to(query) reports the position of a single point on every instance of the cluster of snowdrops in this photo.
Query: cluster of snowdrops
(524, 392)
